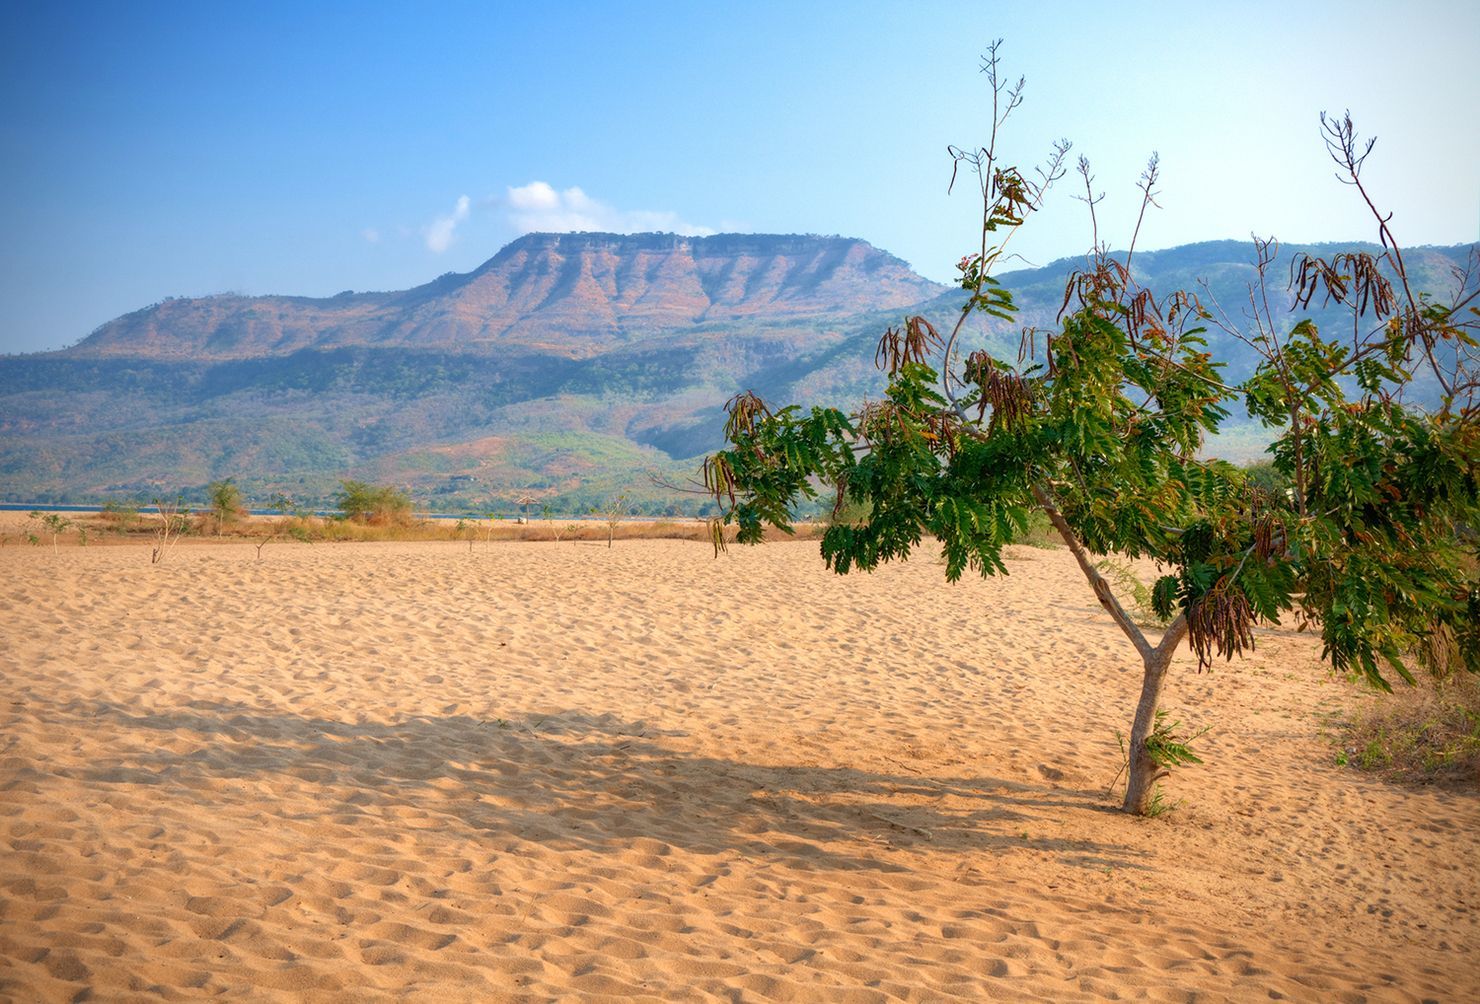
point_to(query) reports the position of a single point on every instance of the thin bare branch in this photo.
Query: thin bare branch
(1097, 582)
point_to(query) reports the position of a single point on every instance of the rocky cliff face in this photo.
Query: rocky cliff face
(576, 295)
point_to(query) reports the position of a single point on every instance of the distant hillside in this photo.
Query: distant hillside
(1225, 269)
(569, 366)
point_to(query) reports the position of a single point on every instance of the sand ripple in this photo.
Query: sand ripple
(363, 772)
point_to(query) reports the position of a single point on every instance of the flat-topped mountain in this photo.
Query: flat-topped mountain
(568, 366)
(571, 294)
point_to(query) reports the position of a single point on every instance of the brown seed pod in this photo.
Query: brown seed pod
(1010, 396)
(1221, 622)
(716, 527)
(943, 428)
(1352, 278)
(915, 342)
(719, 478)
(1101, 284)
(1308, 275)
(745, 410)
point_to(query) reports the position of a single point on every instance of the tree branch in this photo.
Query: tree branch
(1173, 635)
(1096, 580)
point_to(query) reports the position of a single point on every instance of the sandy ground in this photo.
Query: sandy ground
(404, 771)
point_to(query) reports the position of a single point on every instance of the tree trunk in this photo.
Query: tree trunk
(1142, 772)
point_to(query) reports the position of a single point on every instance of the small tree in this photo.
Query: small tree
(225, 501)
(612, 512)
(284, 505)
(290, 522)
(53, 523)
(1100, 426)
(546, 513)
(464, 530)
(174, 523)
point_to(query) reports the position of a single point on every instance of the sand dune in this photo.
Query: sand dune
(382, 771)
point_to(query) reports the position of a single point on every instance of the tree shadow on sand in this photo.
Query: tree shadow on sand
(573, 780)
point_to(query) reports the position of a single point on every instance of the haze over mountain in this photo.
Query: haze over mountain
(568, 365)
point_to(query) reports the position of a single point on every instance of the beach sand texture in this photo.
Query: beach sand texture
(536, 770)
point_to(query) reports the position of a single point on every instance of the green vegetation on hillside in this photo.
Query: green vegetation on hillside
(459, 423)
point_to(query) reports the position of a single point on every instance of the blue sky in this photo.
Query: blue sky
(151, 149)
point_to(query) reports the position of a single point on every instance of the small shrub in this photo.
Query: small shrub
(121, 515)
(225, 500)
(174, 523)
(612, 512)
(53, 523)
(1167, 748)
(557, 528)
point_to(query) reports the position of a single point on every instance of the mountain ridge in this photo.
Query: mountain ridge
(571, 415)
(572, 294)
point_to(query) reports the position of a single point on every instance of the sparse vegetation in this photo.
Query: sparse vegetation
(174, 523)
(377, 505)
(53, 523)
(122, 515)
(1424, 733)
(301, 525)
(555, 525)
(465, 530)
(612, 512)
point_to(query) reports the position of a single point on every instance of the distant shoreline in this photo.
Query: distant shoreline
(84, 510)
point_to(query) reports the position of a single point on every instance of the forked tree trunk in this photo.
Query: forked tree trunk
(1142, 772)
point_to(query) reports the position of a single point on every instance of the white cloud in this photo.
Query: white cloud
(537, 206)
(439, 233)
(371, 235)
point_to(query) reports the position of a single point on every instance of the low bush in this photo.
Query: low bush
(121, 515)
(377, 505)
